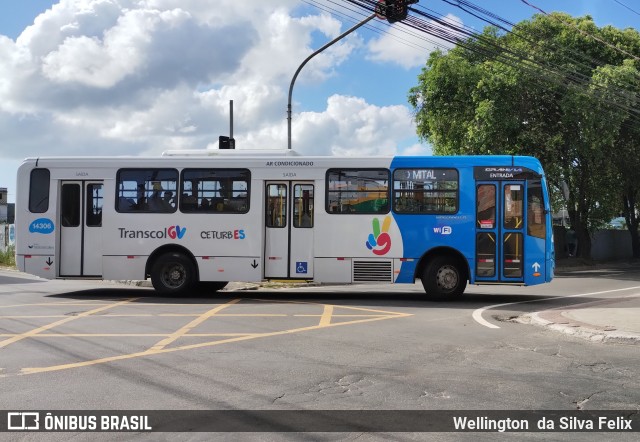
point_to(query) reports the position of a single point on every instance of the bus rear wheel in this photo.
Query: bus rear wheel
(172, 274)
(444, 279)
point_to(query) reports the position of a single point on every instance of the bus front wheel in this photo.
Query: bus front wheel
(172, 274)
(444, 279)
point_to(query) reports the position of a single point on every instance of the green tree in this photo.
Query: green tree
(625, 153)
(551, 89)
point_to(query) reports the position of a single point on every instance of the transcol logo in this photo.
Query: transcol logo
(172, 232)
(379, 242)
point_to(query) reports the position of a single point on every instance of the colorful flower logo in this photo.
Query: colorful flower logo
(379, 242)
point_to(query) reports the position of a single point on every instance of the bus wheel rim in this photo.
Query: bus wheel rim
(173, 275)
(447, 277)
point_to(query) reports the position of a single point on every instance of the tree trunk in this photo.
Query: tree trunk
(583, 237)
(635, 242)
(584, 242)
(629, 212)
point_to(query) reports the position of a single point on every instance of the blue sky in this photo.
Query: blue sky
(103, 77)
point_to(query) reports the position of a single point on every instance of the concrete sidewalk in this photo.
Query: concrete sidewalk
(608, 320)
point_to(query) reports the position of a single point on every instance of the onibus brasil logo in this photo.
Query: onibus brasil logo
(379, 242)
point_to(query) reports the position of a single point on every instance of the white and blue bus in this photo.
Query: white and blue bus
(193, 219)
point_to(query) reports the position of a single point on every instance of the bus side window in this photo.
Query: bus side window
(215, 190)
(425, 190)
(361, 191)
(146, 190)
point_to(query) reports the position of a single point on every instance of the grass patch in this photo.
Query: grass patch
(8, 257)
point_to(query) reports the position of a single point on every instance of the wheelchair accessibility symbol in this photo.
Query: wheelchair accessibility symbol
(301, 267)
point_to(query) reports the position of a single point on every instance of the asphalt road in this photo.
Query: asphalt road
(92, 345)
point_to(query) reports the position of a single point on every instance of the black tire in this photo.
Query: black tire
(173, 274)
(211, 286)
(444, 279)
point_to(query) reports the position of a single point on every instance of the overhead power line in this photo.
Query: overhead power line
(542, 70)
(583, 32)
(622, 4)
(402, 35)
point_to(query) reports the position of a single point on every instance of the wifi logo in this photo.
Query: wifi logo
(379, 242)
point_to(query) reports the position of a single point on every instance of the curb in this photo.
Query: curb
(581, 330)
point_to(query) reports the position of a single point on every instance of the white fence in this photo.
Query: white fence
(7, 236)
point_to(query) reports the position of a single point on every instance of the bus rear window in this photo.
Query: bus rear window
(39, 191)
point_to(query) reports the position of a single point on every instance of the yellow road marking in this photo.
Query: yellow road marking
(344, 316)
(33, 316)
(159, 348)
(153, 351)
(149, 315)
(325, 319)
(55, 303)
(185, 329)
(225, 314)
(129, 335)
(38, 330)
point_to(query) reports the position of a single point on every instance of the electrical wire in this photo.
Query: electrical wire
(615, 48)
(461, 35)
(622, 4)
(542, 71)
(587, 63)
(408, 38)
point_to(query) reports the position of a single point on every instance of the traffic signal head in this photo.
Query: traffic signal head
(226, 142)
(394, 10)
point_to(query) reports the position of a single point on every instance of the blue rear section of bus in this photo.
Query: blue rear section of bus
(422, 233)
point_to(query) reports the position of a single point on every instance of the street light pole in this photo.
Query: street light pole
(293, 80)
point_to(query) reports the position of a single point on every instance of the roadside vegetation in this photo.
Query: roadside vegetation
(556, 87)
(8, 257)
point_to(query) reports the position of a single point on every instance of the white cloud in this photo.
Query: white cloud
(143, 76)
(350, 126)
(417, 150)
(407, 47)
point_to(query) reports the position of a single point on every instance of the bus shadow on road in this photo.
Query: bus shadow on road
(329, 296)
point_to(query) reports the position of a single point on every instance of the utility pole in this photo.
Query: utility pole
(293, 80)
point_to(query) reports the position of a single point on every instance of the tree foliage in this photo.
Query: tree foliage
(552, 89)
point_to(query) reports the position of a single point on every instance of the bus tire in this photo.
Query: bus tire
(172, 274)
(211, 286)
(444, 279)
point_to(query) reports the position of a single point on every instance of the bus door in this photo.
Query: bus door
(80, 228)
(500, 231)
(289, 229)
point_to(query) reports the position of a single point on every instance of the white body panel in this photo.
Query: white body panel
(224, 246)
